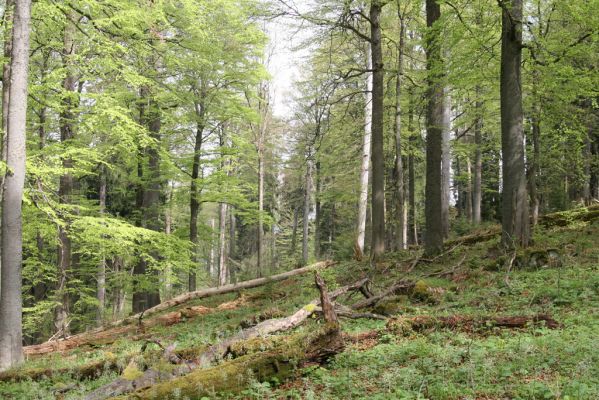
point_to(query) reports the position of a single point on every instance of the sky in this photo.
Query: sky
(286, 61)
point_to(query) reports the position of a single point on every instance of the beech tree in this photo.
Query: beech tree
(12, 231)
(515, 221)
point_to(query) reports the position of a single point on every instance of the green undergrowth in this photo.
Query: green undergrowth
(531, 363)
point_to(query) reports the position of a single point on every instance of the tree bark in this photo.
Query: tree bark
(11, 337)
(194, 203)
(317, 212)
(446, 164)
(401, 223)
(365, 168)
(65, 189)
(101, 272)
(150, 210)
(433, 238)
(478, 162)
(515, 220)
(306, 219)
(533, 173)
(377, 153)
(412, 226)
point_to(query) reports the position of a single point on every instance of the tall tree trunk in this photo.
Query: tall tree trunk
(223, 264)
(446, 164)
(118, 294)
(468, 189)
(515, 221)
(294, 230)
(260, 238)
(412, 226)
(194, 202)
(533, 173)
(377, 154)
(101, 272)
(401, 223)
(7, 21)
(223, 270)
(318, 212)
(306, 220)
(433, 238)
(212, 261)
(150, 215)
(11, 336)
(477, 192)
(365, 168)
(65, 188)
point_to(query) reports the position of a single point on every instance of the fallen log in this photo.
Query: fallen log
(403, 286)
(112, 331)
(220, 350)
(565, 218)
(468, 323)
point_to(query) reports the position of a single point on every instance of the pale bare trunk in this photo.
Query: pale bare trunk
(306, 220)
(365, 168)
(223, 271)
(401, 223)
(11, 336)
(478, 164)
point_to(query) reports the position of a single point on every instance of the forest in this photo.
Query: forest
(289, 199)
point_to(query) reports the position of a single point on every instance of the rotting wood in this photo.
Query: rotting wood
(321, 343)
(403, 286)
(117, 329)
(471, 323)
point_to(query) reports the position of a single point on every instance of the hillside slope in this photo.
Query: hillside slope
(440, 339)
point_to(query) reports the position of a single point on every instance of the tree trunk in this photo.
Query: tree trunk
(318, 212)
(11, 342)
(223, 271)
(478, 163)
(412, 226)
(377, 154)
(212, 265)
(306, 220)
(446, 164)
(433, 238)
(7, 21)
(365, 168)
(101, 272)
(294, 231)
(515, 221)
(194, 203)
(533, 173)
(468, 189)
(401, 223)
(65, 188)
(144, 299)
(260, 237)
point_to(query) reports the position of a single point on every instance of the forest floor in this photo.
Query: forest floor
(389, 359)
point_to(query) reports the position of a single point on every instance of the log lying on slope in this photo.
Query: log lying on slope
(127, 325)
(565, 218)
(221, 349)
(469, 323)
